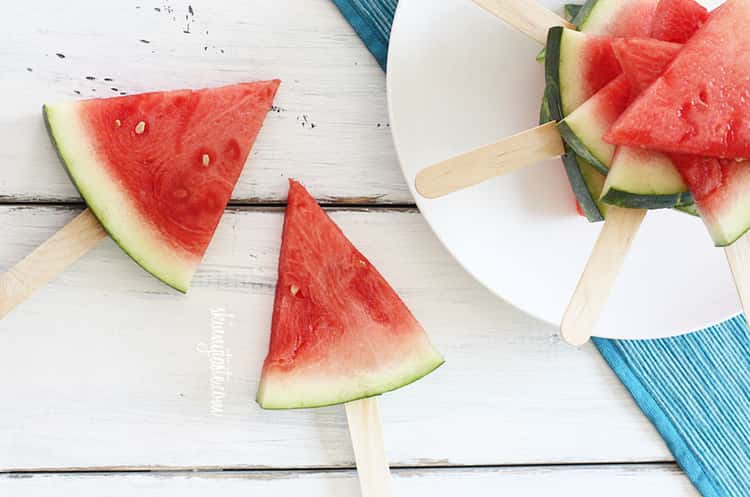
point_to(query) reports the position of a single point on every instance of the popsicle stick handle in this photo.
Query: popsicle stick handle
(48, 260)
(507, 155)
(600, 274)
(367, 438)
(738, 255)
(528, 16)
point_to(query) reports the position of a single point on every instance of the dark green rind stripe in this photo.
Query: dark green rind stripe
(571, 10)
(552, 73)
(60, 154)
(691, 210)
(572, 140)
(583, 14)
(544, 115)
(364, 395)
(651, 202)
(586, 198)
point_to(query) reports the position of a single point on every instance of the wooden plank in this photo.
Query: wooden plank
(106, 367)
(330, 124)
(612, 481)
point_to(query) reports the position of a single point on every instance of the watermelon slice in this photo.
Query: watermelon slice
(158, 169)
(677, 20)
(699, 105)
(339, 331)
(640, 178)
(720, 191)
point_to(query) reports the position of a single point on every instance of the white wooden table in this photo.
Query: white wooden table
(107, 386)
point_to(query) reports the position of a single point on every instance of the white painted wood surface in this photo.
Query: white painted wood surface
(105, 366)
(332, 122)
(108, 370)
(627, 481)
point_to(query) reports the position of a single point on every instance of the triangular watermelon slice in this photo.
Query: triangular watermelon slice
(158, 169)
(643, 60)
(700, 104)
(339, 331)
(637, 174)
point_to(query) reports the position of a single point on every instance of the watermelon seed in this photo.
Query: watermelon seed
(140, 128)
(118, 123)
(294, 289)
(362, 263)
(206, 160)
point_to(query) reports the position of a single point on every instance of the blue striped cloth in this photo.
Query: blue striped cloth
(695, 389)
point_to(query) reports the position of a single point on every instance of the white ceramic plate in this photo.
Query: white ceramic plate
(458, 78)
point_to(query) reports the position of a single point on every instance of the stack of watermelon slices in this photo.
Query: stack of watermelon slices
(587, 91)
(672, 127)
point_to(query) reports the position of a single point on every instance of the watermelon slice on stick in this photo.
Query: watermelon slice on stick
(156, 171)
(339, 333)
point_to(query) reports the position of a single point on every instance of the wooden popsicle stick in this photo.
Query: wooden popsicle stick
(509, 154)
(738, 256)
(600, 274)
(369, 451)
(528, 16)
(48, 260)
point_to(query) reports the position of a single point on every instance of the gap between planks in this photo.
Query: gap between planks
(233, 207)
(252, 203)
(166, 470)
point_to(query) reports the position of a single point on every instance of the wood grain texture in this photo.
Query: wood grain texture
(107, 367)
(507, 155)
(366, 430)
(625, 481)
(48, 260)
(330, 123)
(528, 16)
(600, 274)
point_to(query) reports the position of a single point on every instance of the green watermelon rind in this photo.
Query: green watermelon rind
(317, 393)
(572, 138)
(630, 200)
(570, 11)
(580, 176)
(637, 175)
(575, 168)
(584, 13)
(77, 154)
(562, 101)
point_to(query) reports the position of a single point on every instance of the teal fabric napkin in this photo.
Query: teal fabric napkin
(695, 389)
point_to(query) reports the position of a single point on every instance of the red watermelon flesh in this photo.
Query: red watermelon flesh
(643, 60)
(157, 169)
(599, 65)
(339, 332)
(719, 187)
(699, 105)
(677, 20)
